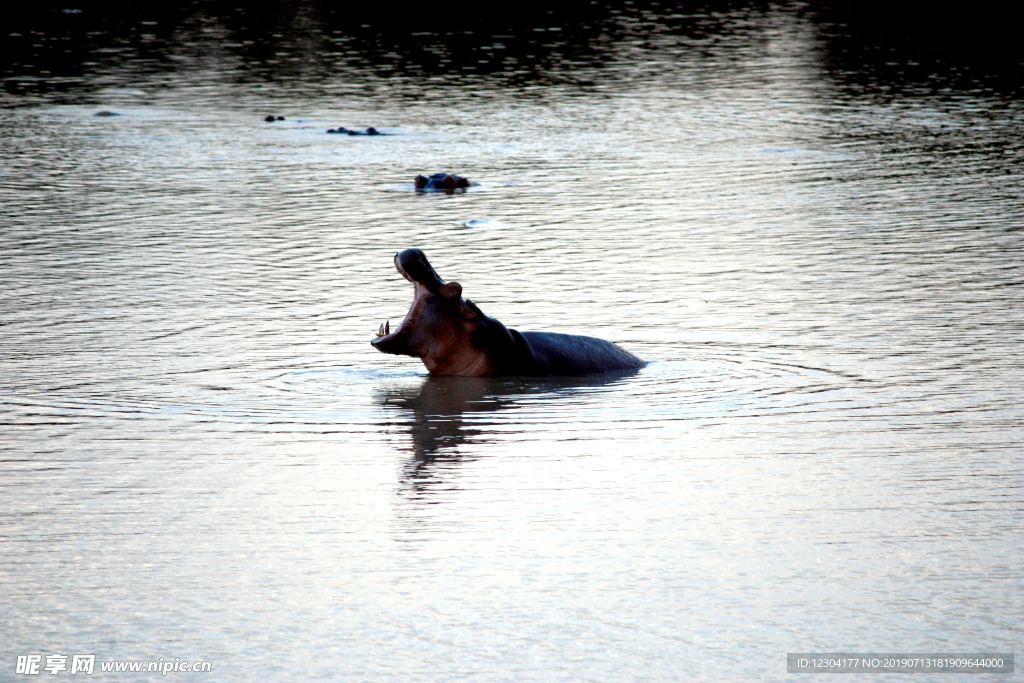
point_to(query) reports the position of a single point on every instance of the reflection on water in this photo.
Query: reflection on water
(316, 48)
(807, 217)
(442, 413)
(435, 412)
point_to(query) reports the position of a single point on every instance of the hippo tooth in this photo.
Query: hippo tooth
(387, 327)
(380, 331)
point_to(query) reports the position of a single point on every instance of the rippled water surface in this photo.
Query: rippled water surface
(813, 238)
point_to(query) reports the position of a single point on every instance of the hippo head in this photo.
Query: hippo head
(446, 182)
(441, 328)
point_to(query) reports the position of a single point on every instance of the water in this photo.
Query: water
(811, 232)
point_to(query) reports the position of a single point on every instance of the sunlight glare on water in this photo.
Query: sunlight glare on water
(203, 458)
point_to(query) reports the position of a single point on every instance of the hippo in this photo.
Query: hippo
(452, 336)
(270, 118)
(441, 182)
(342, 130)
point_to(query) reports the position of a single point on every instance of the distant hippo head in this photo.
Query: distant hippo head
(441, 328)
(441, 182)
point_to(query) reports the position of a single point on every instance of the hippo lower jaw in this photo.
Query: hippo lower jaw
(396, 342)
(388, 343)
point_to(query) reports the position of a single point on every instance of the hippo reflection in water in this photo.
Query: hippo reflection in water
(441, 182)
(452, 336)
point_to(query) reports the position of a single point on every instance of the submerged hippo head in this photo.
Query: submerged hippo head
(441, 328)
(441, 182)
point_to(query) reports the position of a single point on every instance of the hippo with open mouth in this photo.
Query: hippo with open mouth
(452, 336)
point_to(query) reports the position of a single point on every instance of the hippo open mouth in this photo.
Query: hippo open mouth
(414, 267)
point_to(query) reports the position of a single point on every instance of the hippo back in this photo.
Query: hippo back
(569, 354)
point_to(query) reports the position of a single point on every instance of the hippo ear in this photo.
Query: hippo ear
(470, 310)
(450, 290)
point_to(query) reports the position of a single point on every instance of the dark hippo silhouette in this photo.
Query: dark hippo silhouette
(270, 118)
(452, 336)
(441, 182)
(342, 130)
